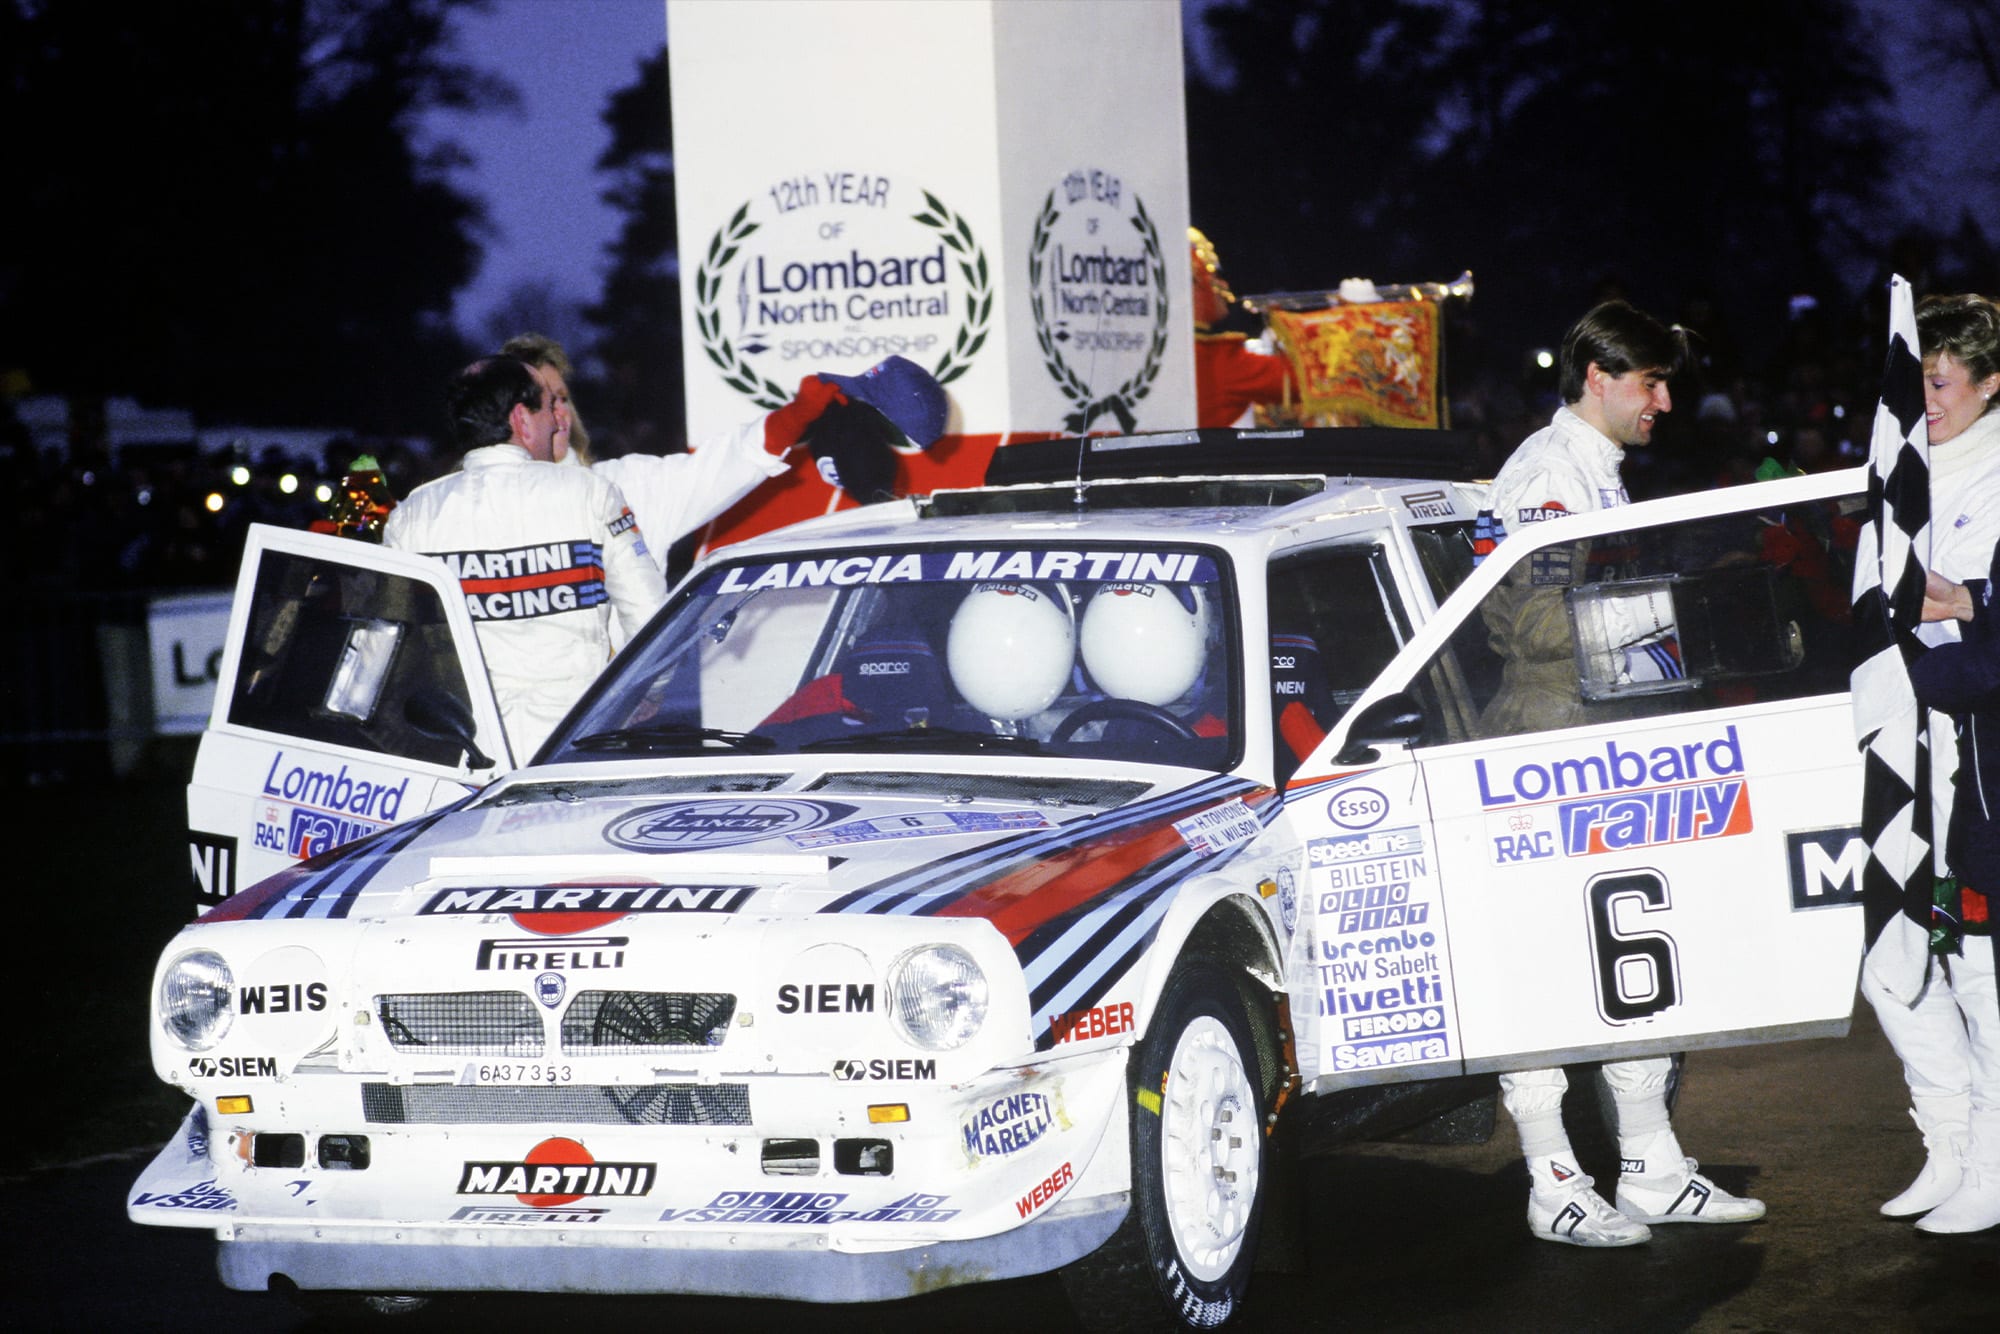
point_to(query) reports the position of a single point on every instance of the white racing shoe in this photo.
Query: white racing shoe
(1576, 1215)
(1685, 1196)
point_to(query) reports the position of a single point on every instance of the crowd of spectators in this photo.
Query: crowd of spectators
(163, 516)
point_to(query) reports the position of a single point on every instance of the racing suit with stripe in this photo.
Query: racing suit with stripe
(547, 557)
(1568, 467)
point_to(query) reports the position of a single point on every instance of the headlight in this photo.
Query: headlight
(938, 996)
(195, 999)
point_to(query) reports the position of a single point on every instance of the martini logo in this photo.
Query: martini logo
(1097, 287)
(556, 1172)
(838, 270)
(683, 826)
(563, 910)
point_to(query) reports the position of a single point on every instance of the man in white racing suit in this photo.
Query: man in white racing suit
(1615, 365)
(545, 556)
(672, 495)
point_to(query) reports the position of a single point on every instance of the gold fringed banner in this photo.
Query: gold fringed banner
(1364, 365)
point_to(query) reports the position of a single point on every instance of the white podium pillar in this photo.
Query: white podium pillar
(995, 189)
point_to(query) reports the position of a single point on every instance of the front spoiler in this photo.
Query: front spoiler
(718, 1265)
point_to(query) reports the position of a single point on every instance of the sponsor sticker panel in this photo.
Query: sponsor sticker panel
(1381, 957)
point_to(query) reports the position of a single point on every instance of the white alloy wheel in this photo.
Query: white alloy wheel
(1208, 1148)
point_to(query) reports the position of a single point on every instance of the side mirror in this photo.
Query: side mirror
(445, 717)
(1394, 719)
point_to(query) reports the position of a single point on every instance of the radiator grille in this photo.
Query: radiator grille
(462, 1023)
(585, 1104)
(613, 1023)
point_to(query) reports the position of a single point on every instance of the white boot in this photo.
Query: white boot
(1944, 1148)
(1975, 1205)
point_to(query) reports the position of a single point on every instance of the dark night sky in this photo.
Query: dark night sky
(534, 168)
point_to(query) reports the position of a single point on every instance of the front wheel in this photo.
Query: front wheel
(1182, 1258)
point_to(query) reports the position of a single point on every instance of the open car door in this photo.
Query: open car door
(351, 696)
(1658, 862)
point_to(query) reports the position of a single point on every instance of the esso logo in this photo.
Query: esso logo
(1357, 808)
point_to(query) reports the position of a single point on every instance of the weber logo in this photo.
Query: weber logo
(1825, 867)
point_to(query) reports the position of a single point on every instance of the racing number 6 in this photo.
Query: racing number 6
(1638, 972)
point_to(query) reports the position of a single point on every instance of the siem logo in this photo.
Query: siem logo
(233, 1067)
(849, 1071)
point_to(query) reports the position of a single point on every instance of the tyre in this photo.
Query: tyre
(1183, 1256)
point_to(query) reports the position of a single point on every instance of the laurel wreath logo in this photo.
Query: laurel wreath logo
(1121, 401)
(953, 231)
(741, 376)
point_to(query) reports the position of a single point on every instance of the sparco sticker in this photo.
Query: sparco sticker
(681, 826)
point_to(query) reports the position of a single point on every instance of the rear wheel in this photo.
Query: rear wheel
(1182, 1259)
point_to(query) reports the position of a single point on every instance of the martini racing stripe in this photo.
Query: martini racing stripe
(930, 888)
(1070, 963)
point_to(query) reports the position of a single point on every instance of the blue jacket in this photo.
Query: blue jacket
(1963, 679)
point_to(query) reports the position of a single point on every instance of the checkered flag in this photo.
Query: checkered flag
(1890, 561)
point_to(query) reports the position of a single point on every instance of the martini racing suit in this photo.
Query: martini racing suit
(546, 556)
(1567, 467)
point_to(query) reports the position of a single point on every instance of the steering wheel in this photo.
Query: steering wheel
(1122, 710)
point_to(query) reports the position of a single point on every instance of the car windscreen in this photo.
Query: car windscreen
(1109, 651)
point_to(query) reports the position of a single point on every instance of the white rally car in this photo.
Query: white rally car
(956, 889)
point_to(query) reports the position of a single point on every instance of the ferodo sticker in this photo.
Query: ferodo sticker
(283, 1001)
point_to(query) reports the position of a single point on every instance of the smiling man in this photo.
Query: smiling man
(1616, 363)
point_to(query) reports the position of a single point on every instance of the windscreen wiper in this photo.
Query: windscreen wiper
(671, 736)
(949, 739)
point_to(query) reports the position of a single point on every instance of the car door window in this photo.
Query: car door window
(1336, 621)
(332, 654)
(1723, 609)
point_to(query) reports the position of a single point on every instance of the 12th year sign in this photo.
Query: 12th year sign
(834, 269)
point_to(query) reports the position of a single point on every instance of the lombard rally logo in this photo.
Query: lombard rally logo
(1612, 799)
(836, 267)
(556, 1172)
(681, 826)
(308, 810)
(1097, 287)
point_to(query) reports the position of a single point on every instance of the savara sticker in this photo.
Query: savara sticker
(924, 824)
(809, 1208)
(202, 1195)
(972, 566)
(556, 1172)
(1219, 828)
(1007, 1124)
(555, 910)
(682, 826)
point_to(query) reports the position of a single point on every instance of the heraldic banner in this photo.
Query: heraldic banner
(1375, 364)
